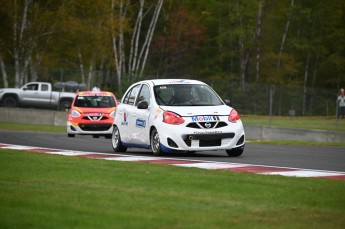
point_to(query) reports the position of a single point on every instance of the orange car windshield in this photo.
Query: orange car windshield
(95, 101)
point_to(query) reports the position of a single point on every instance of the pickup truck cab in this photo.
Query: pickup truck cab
(35, 94)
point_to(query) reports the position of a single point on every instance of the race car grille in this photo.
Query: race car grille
(206, 140)
(95, 127)
(95, 118)
(206, 125)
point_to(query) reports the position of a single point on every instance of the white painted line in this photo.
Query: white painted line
(16, 147)
(304, 173)
(68, 153)
(133, 158)
(210, 165)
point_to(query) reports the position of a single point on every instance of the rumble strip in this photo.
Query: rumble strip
(257, 169)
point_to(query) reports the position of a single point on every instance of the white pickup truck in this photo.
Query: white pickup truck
(36, 94)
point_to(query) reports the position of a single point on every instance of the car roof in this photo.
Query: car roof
(171, 81)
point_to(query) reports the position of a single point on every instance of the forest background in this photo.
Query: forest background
(277, 57)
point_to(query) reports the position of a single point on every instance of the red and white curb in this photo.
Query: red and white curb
(257, 169)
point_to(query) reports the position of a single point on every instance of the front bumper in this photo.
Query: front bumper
(89, 128)
(189, 139)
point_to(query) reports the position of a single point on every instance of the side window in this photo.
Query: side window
(131, 95)
(32, 87)
(44, 87)
(144, 94)
(125, 98)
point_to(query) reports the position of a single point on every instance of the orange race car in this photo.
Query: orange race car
(92, 113)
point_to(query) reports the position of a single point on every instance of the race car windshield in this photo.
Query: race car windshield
(186, 95)
(95, 101)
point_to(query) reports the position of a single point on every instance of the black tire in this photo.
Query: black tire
(116, 141)
(155, 143)
(95, 136)
(235, 152)
(10, 101)
(71, 135)
(64, 104)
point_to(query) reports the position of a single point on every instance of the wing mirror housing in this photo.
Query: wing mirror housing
(143, 105)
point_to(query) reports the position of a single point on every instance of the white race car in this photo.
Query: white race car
(176, 115)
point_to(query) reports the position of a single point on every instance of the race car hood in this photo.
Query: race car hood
(86, 110)
(199, 110)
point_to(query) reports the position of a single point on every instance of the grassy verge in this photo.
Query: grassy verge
(318, 123)
(31, 127)
(50, 191)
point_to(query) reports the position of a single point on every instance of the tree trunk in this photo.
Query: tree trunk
(137, 55)
(243, 63)
(21, 57)
(90, 76)
(149, 34)
(133, 56)
(118, 44)
(258, 39)
(305, 85)
(313, 81)
(282, 44)
(243, 58)
(3, 72)
(81, 65)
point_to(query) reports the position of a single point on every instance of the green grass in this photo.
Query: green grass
(318, 123)
(51, 191)
(31, 127)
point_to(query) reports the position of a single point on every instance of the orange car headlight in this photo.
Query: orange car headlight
(75, 114)
(112, 114)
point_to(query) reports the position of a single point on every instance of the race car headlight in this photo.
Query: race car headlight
(75, 114)
(234, 116)
(112, 114)
(172, 118)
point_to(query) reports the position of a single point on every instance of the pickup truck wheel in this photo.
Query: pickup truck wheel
(10, 101)
(64, 104)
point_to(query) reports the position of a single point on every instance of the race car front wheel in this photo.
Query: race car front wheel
(116, 141)
(235, 152)
(155, 143)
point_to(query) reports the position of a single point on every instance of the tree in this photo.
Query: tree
(140, 39)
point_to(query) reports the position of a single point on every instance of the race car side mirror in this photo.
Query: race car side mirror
(143, 105)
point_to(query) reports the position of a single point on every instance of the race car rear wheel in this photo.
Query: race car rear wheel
(155, 143)
(116, 141)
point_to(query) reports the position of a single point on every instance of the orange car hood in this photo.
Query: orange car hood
(85, 110)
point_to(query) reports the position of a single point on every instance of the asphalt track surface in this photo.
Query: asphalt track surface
(329, 158)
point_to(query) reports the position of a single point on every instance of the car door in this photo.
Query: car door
(29, 94)
(125, 114)
(140, 125)
(44, 95)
